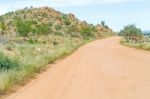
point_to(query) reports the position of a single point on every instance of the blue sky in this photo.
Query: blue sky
(116, 13)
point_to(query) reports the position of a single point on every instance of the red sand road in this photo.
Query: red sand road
(102, 69)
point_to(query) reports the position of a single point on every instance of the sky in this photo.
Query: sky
(116, 13)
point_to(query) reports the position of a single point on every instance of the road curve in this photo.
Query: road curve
(102, 69)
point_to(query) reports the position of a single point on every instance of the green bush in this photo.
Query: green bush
(2, 26)
(87, 32)
(66, 20)
(43, 29)
(132, 33)
(64, 17)
(23, 27)
(7, 63)
(26, 27)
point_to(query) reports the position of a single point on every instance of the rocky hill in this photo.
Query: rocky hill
(31, 22)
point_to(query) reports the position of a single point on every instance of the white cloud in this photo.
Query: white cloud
(11, 5)
(76, 2)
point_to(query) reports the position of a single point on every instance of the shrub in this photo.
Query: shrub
(50, 23)
(87, 31)
(131, 33)
(64, 17)
(3, 26)
(58, 27)
(72, 28)
(23, 27)
(66, 20)
(55, 43)
(7, 63)
(43, 29)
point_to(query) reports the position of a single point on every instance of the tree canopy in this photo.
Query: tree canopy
(132, 33)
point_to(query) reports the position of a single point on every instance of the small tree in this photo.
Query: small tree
(132, 33)
(103, 23)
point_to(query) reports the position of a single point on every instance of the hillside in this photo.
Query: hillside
(34, 37)
(45, 20)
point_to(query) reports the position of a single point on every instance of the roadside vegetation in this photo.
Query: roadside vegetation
(134, 37)
(32, 38)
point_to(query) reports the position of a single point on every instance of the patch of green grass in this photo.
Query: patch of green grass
(143, 46)
(7, 63)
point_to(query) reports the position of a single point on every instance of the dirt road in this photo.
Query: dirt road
(102, 69)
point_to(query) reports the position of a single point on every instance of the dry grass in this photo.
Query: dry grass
(33, 58)
(143, 46)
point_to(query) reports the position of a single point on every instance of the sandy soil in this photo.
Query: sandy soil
(103, 69)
